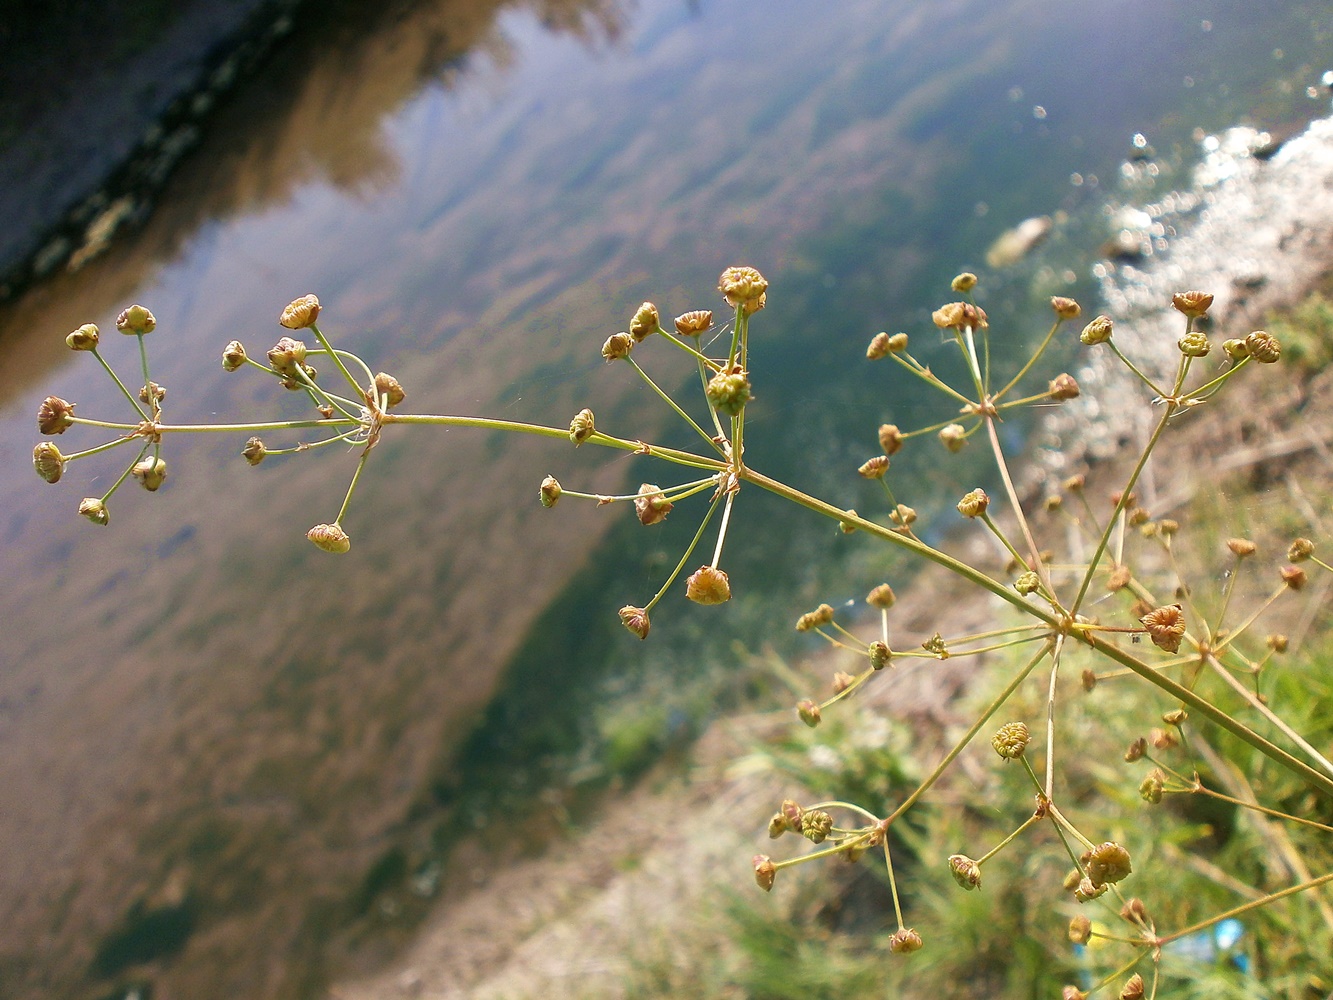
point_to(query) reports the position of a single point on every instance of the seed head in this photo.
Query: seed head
(1087, 890)
(1194, 344)
(48, 462)
(1107, 863)
(1236, 350)
(253, 452)
(1134, 911)
(94, 510)
(1163, 739)
(842, 681)
(1176, 717)
(1294, 577)
(329, 537)
(390, 389)
(1064, 387)
(890, 439)
(1072, 993)
(816, 825)
(54, 415)
(299, 314)
(581, 427)
(953, 437)
(874, 468)
(151, 473)
(879, 347)
(808, 712)
(1136, 750)
(1027, 583)
(285, 355)
(1133, 989)
(964, 282)
(1166, 626)
(136, 320)
(1263, 347)
(1098, 331)
(651, 504)
(1119, 579)
(1150, 789)
(1088, 679)
(743, 286)
(905, 941)
(1277, 642)
(965, 871)
(881, 597)
(550, 491)
(957, 315)
(903, 515)
(233, 356)
(1010, 740)
(822, 615)
(644, 323)
(729, 391)
(154, 391)
(85, 338)
(1192, 304)
(898, 343)
(1065, 308)
(880, 654)
(974, 504)
(1080, 929)
(765, 872)
(691, 324)
(636, 620)
(1300, 550)
(708, 585)
(1167, 527)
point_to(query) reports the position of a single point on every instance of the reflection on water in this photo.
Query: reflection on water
(226, 746)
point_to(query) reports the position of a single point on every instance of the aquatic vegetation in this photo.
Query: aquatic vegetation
(1116, 604)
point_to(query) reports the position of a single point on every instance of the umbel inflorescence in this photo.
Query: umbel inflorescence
(1048, 625)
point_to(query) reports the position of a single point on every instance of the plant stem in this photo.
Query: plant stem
(672, 403)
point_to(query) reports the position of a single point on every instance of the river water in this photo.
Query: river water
(229, 757)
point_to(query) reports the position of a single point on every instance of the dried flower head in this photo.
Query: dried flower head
(85, 338)
(1194, 344)
(965, 871)
(879, 347)
(1028, 583)
(890, 439)
(1300, 550)
(233, 356)
(152, 391)
(1134, 911)
(1072, 993)
(903, 515)
(958, 315)
(136, 320)
(1065, 308)
(1133, 989)
(1176, 717)
(644, 323)
(842, 681)
(581, 427)
(1163, 739)
(1087, 890)
(48, 462)
(874, 468)
(1263, 347)
(964, 282)
(1235, 349)
(1277, 642)
(1080, 929)
(764, 872)
(816, 825)
(1010, 740)
(708, 585)
(94, 510)
(808, 712)
(953, 437)
(1064, 387)
(905, 941)
(550, 491)
(729, 391)
(1167, 527)
(1166, 626)
(1098, 331)
(1294, 577)
(898, 343)
(822, 615)
(390, 389)
(1088, 678)
(1107, 863)
(151, 473)
(286, 354)
(974, 503)
(651, 504)
(329, 537)
(743, 286)
(636, 620)
(1119, 579)
(253, 452)
(300, 313)
(1150, 789)
(880, 654)
(881, 596)
(693, 323)
(1136, 750)
(54, 415)
(1192, 304)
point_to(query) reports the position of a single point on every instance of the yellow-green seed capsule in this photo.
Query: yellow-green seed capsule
(550, 491)
(48, 462)
(233, 356)
(636, 620)
(581, 427)
(1098, 331)
(708, 585)
(300, 313)
(94, 510)
(964, 282)
(85, 338)
(645, 322)
(54, 416)
(329, 537)
(151, 473)
(1010, 740)
(136, 320)
(254, 452)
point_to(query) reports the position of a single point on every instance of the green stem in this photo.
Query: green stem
(927, 376)
(1031, 361)
(672, 403)
(351, 487)
(336, 360)
(126, 474)
(1244, 908)
(712, 508)
(116, 378)
(1157, 391)
(1035, 817)
(101, 447)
